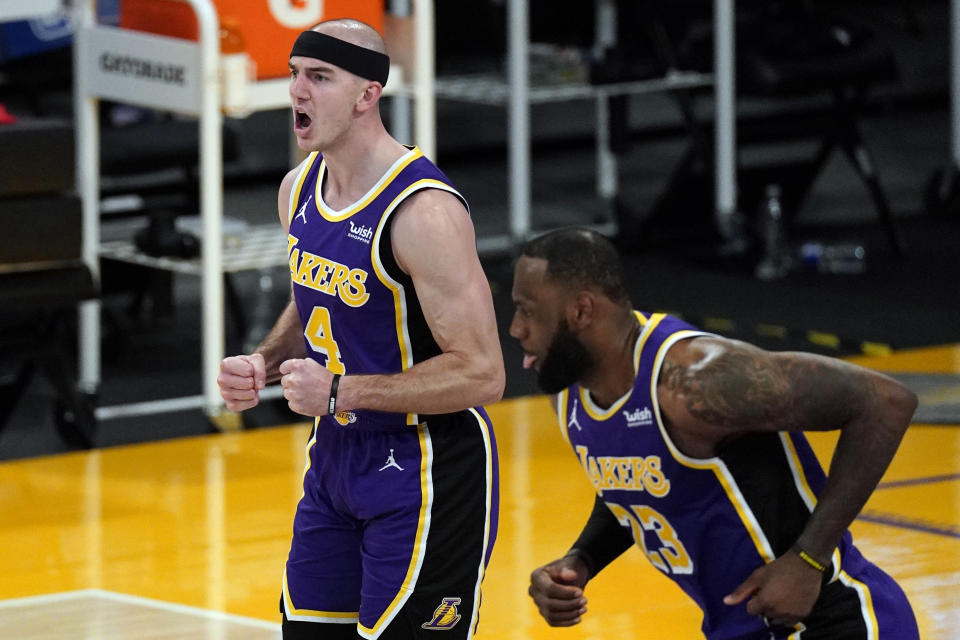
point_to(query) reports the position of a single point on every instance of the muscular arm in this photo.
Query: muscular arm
(602, 539)
(712, 390)
(557, 588)
(285, 339)
(433, 241)
(242, 377)
(283, 342)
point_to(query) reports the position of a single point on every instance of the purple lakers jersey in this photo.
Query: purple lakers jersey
(359, 310)
(705, 523)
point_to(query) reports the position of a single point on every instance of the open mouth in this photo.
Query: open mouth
(529, 361)
(301, 119)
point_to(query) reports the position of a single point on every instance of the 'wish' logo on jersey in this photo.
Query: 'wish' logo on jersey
(445, 617)
(360, 232)
(639, 417)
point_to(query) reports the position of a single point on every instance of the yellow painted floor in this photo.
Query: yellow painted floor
(187, 538)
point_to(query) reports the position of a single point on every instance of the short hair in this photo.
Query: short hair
(581, 256)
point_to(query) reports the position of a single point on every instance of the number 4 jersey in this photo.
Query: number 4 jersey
(709, 523)
(359, 310)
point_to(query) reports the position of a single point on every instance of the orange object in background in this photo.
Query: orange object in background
(266, 27)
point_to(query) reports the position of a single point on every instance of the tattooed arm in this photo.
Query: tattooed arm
(712, 390)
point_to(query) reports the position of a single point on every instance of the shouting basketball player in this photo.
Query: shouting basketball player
(391, 344)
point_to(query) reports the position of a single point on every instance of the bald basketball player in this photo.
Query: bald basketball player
(390, 344)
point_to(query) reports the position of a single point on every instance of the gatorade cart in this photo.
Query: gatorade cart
(207, 58)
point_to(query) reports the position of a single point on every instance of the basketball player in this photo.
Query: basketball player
(390, 343)
(693, 443)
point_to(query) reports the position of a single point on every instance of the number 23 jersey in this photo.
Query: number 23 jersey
(705, 523)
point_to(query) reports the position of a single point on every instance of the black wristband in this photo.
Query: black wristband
(332, 407)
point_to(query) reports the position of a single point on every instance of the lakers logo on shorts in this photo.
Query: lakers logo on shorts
(445, 617)
(345, 417)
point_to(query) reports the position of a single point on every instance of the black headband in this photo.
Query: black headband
(360, 61)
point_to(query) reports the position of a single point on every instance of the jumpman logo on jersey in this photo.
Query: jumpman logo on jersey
(303, 209)
(391, 462)
(573, 422)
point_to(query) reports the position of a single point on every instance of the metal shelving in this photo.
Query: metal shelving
(493, 90)
(200, 94)
(256, 247)
(517, 94)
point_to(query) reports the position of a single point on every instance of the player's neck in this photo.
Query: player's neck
(354, 167)
(612, 374)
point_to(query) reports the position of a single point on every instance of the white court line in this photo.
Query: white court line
(52, 598)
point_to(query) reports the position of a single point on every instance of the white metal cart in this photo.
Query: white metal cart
(183, 76)
(194, 88)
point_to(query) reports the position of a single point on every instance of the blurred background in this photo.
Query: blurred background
(782, 172)
(837, 233)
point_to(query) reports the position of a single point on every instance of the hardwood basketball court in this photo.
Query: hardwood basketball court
(187, 538)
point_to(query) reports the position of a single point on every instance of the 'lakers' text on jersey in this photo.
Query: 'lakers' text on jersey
(387, 537)
(709, 523)
(359, 309)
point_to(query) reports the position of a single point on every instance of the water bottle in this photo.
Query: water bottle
(842, 258)
(775, 262)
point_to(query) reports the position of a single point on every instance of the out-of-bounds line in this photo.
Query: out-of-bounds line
(902, 522)
(893, 484)
(53, 598)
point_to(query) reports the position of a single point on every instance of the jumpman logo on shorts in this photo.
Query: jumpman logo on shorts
(573, 422)
(391, 462)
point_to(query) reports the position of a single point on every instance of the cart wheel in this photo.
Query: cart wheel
(75, 422)
(942, 194)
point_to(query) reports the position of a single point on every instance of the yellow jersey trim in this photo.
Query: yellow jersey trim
(293, 613)
(595, 412)
(488, 499)
(419, 543)
(561, 410)
(799, 477)
(310, 443)
(806, 493)
(298, 186)
(715, 464)
(312, 615)
(399, 299)
(386, 179)
(866, 604)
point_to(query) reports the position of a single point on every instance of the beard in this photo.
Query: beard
(565, 362)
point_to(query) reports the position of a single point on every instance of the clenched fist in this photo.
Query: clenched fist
(306, 386)
(557, 590)
(241, 380)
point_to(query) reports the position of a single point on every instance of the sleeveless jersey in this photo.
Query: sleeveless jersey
(359, 311)
(706, 523)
